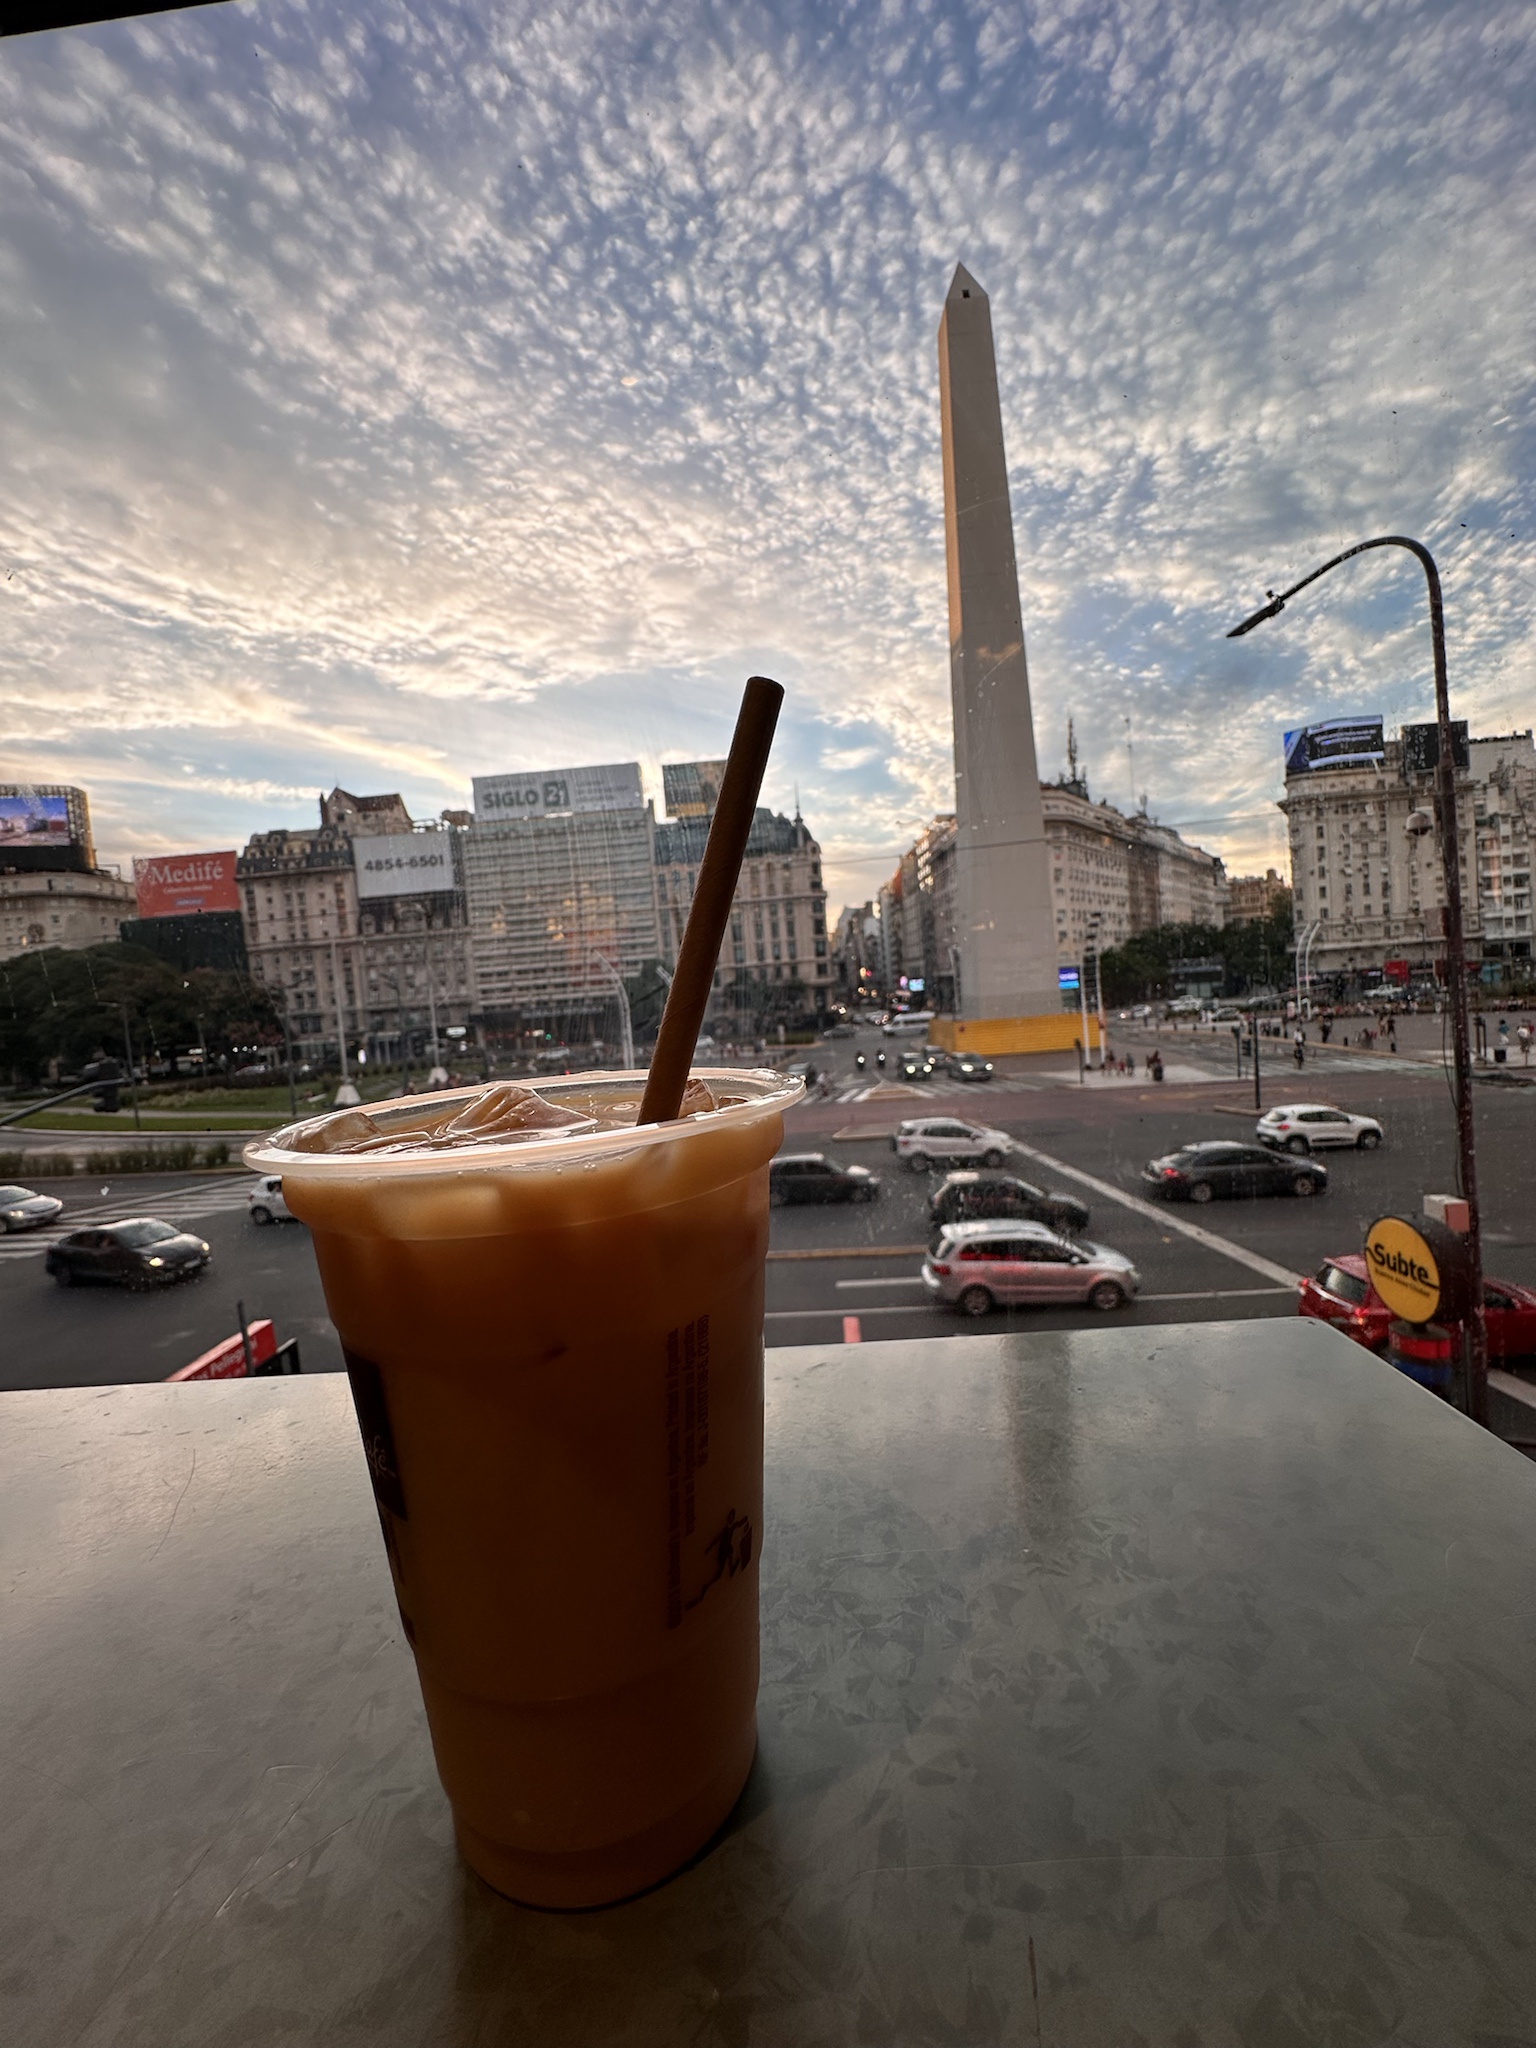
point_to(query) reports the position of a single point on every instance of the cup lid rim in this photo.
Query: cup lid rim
(764, 1089)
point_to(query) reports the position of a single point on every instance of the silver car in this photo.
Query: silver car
(925, 1141)
(21, 1209)
(982, 1266)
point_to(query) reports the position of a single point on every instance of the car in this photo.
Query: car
(839, 1031)
(967, 1066)
(906, 1023)
(141, 1251)
(968, 1197)
(1340, 1292)
(21, 1209)
(1310, 1126)
(981, 1266)
(813, 1177)
(1200, 1172)
(913, 1067)
(927, 1141)
(265, 1200)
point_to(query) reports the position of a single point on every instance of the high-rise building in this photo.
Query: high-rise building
(1007, 999)
(560, 881)
(1373, 890)
(775, 963)
(358, 927)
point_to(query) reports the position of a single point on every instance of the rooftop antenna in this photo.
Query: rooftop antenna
(1130, 759)
(1071, 751)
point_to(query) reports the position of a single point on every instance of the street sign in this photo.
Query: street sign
(1418, 1269)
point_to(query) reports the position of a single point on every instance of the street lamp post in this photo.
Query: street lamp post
(626, 1027)
(1455, 944)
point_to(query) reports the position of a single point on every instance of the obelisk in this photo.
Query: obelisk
(1008, 998)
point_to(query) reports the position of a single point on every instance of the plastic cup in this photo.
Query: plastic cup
(555, 1351)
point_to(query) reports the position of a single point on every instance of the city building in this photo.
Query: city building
(64, 909)
(1113, 876)
(775, 964)
(858, 966)
(52, 893)
(1253, 898)
(358, 926)
(1373, 890)
(561, 891)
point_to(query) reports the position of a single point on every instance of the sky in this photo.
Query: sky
(394, 393)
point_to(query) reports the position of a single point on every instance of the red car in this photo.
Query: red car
(1340, 1293)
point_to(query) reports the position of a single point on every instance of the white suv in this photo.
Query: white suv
(1314, 1126)
(945, 1141)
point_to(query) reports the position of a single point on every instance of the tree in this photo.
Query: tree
(1252, 956)
(67, 1008)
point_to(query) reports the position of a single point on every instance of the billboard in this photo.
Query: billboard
(181, 884)
(404, 864)
(1421, 747)
(691, 788)
(1335, 743)
(34, 818)
(556, 792)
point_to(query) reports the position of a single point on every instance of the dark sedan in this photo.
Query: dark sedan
(1216, 1169)
(21, 1209)
(972, 1197)
(139, 1252)
(966, 1066)
(913, 1066)
(813, 1177)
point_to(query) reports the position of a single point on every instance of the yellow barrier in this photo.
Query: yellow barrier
(990, 1036)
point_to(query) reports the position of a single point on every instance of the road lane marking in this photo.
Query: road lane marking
(1218, 1294)
(896, 1280)
(785, 1315)
(1163, 1216)
(857, 1251)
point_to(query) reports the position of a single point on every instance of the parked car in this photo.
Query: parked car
(138, 1252)
(1310, 1126)
(927, 1141)
(982, 1266)
(265, 1200)
(968, 1197)
(1200, 1173)
(21, 1209)
(1340, 1292)
(813, 1177)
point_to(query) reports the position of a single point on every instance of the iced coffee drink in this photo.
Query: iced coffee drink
(552, 1321)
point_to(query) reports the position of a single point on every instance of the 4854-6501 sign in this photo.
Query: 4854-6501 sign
(403, 864)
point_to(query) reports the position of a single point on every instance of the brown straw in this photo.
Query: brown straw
(704, 932)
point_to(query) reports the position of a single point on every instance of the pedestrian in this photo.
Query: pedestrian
(1327, 1029)
(1391, 1034)
(1504, 1036)
(1299, 1048)
(1523, 1037)
(1157, 1066)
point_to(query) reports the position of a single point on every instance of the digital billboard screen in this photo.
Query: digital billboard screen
(184, 884)
(404, 864)
(31, 818)
(556, 792)
(1335, 743)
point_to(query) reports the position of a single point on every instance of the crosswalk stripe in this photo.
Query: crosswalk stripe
(181, 1205)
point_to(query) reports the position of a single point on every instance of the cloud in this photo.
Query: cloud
(398, 395)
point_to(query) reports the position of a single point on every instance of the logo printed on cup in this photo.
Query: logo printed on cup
(378, 1438)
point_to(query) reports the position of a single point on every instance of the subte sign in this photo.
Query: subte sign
(1419, 1269)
